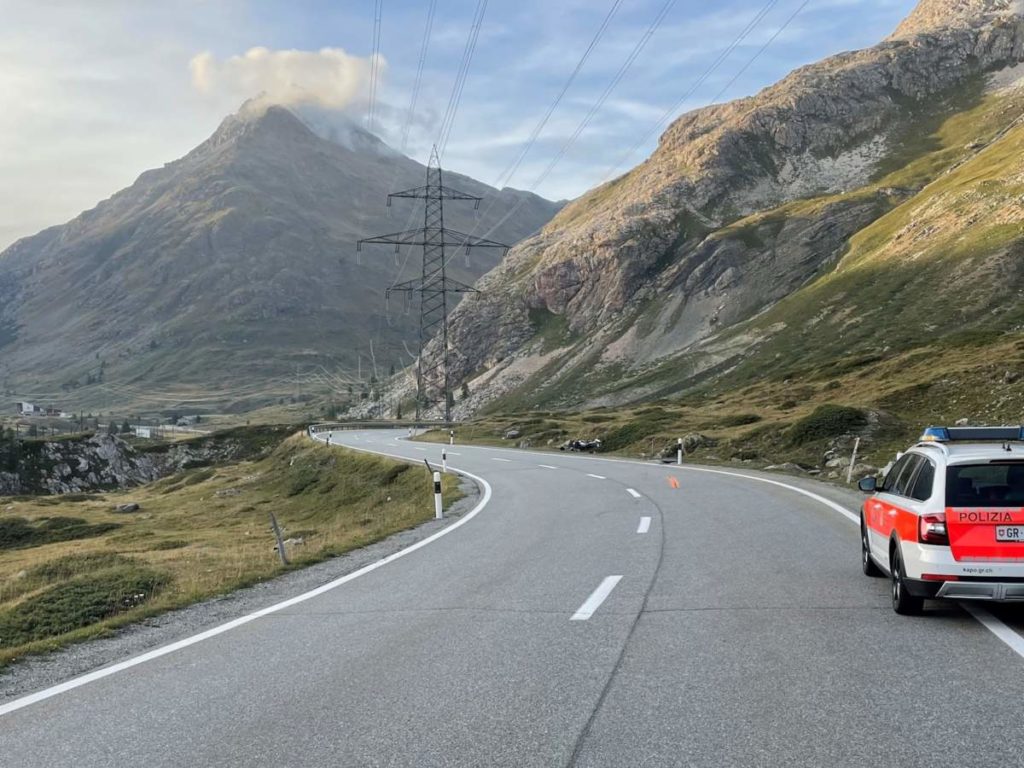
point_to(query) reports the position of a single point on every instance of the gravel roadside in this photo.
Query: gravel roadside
(37, 672)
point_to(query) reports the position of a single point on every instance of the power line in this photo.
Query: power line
(671, 111)
(460, 78)
(760, 51)
(428, 29)
(378, 9)
(506, 175)
(594, 109)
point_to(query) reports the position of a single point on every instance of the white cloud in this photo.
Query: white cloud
(328, 78)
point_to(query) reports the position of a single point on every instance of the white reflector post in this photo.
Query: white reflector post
(438, 512)
(679, 452)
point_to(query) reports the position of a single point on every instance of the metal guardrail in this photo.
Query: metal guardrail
(337, 426)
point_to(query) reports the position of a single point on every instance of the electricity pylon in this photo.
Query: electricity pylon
(433, 383)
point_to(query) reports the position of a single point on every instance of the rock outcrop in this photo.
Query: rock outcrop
(740, 205)
(102, 461)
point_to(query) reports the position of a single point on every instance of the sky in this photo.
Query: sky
(94, 93)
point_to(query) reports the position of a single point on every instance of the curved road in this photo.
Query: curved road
(593, 613)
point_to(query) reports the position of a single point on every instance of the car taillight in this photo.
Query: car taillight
(932, 529)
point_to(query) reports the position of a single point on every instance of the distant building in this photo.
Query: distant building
(31, 409)
(143, 432)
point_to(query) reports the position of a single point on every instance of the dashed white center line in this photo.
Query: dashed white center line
(597, 477)
(597, 597)
(645, 525)
(633, 493)
(453, 453)
(547, 466)
(509, 461)
(419, 449)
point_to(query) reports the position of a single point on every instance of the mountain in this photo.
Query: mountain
(857, 228)
(230, 274)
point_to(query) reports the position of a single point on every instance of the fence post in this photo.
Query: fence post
(280, 542)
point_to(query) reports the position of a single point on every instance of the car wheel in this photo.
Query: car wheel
(867, 565)
(904, 603)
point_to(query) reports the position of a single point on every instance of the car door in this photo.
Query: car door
(889, 506)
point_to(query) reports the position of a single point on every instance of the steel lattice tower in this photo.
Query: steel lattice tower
(433, 384)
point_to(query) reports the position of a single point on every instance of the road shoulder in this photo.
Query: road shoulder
(42, 671)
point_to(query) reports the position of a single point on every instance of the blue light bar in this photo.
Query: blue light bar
(971, 434)
(935, 434)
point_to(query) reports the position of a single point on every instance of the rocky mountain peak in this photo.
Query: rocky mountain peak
(933, 15)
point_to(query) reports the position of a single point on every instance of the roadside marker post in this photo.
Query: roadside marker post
(438, 512)
(444, 461)
(451, 437)
(679, 452)
(853, 461)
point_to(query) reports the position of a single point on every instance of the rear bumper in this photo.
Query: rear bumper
(996, 591)
(982, 590)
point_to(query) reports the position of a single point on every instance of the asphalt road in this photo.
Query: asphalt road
(593, 614)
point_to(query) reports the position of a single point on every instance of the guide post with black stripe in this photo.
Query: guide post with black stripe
(438, 511)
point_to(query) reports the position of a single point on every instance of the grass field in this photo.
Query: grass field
(73, 567)
(770, 421)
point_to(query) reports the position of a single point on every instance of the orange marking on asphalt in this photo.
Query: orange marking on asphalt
(673, 482)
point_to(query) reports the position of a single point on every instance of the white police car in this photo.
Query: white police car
(948, 520)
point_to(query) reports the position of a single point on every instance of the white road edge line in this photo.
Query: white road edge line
(645, 525)
(597, 597)
(597, 477)
(633, 493)
(547, 466)
(507, 461)
(1005, 633)
(996, 627)
(156, 653)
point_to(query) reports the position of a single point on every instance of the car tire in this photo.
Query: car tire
(867, 565)
(904, 603)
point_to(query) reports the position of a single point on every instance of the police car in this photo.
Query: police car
(948, 519)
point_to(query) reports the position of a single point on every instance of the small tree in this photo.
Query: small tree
(398, 411)
(465, 390)
(112, 429)
(126, 427)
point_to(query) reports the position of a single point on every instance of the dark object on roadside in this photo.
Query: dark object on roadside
(511, 434)
(132, 507)
(582, 446)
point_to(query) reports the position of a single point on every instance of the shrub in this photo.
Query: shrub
(17, 532)
(169, 544)
(78, 603)
(826, 421)
(200, 477)
(735, 420)
(70, 566)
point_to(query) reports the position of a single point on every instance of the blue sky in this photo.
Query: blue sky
(95, 93)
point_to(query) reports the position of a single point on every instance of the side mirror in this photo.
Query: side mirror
(868, 484)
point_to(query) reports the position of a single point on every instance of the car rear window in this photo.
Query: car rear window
(985, 485)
